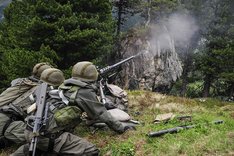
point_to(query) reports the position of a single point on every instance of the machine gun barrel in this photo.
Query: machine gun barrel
(109, 68)
(177, 129)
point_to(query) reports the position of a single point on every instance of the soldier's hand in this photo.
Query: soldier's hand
(129, 127)
(109, 106)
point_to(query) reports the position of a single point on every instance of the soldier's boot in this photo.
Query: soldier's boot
(92, 153)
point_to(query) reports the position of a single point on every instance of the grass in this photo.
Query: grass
(205, 139)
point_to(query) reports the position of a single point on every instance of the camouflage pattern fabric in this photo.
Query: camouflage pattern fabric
(15, 91)
(14, 131)
(66, 144)
(13, 103)
(67, 115)
(86, 99)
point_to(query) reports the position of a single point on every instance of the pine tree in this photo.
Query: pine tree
(216, 61)
(71, 31)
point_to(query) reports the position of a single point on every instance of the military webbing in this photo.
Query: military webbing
(58, 94)
(74, 89)
(64, 99)
(24, 95)
(6, 126)
(11, 119)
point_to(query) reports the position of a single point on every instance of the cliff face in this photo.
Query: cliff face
(156, 68)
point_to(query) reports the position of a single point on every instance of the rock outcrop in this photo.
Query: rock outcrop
(156, 68)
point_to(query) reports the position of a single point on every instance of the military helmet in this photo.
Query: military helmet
(85, 71)
(39, 68)
(52, 76)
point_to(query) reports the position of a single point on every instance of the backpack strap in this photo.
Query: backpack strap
(72, 86)
(71, 89)
(74, 89)
(64, 99)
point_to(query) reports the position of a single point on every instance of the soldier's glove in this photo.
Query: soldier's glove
(4, 142)
(129, 127)
(109, 106)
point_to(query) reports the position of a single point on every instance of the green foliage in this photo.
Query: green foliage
(122, 9)
(61, 32)
(17, 62)
(161, 8)
(126, 148)
(205, 138)
(194, 89)
(67, 72)
(213, 55)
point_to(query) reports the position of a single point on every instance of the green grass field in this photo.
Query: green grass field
(205, 139)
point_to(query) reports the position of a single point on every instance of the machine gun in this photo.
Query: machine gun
(104, 71)
(39, 120)
(105, 74)
(177, 129)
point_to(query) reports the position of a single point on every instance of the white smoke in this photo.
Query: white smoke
(175, 31)
(181, 27)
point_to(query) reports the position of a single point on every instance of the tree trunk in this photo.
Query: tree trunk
(231, 92)
(187, 58)
(184, 82)
(148, 13)
(207, 84)
(119, 20)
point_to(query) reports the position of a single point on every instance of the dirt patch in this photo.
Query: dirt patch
(171, 107)
(227, 108)
(230, 135)
(145, 99)
(102, 144)
(139, 146)
(159, 97)
(232, 114)
(109, 153)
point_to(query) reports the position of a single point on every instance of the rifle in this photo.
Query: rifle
(177, 129)
(40, 118)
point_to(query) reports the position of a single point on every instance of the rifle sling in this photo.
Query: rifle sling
(51, 145)
(52, 137)
(12, 118)
(6, 126)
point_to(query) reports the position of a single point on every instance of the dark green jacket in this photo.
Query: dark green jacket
(84, 95)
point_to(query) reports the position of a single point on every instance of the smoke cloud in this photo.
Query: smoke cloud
(177, 30)
(182, 28)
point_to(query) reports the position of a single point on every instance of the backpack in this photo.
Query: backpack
(18, 92)
(117, 96)
(62, 115)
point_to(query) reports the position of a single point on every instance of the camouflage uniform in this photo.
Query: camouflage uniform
(58, 126)
(82, 92)
(13, 104)
(85, 98)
